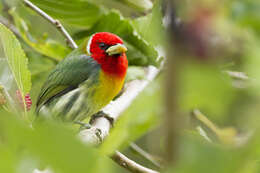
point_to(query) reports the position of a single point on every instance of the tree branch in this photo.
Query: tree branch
(56, 23)
(237, 75)
(5, 22)
(130, 165)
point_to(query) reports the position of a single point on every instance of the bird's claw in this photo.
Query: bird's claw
(83, 126)
(102, 114)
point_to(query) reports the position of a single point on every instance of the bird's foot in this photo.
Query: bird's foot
(83, 125)
(102, 114)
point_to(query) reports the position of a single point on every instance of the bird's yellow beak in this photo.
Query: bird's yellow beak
(116, 49)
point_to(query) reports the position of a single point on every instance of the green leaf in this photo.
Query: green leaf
(39, 42)
(16, 61)
(53, 144)
(251, 65)
(246, 14)
(207, 88)
(140, 52)
(197, 156)
(150, 25)
(7, 159)
(140, 4)
(78, 12)
(128, 8)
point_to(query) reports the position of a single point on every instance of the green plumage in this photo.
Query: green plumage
(68, 75)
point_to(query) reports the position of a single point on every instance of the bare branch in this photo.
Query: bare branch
(237, 75)
(5, 22)
(130, 165)
(145, 154)
(58, 25)
(226, 135)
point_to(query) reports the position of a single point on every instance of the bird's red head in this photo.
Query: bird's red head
(109, 51)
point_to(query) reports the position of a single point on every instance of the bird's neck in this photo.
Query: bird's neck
(114, 66)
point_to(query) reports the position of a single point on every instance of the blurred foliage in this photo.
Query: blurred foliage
(208, 37)
(214, 84)
(47, 144)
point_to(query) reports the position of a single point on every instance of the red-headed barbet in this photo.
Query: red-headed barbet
(86, 80)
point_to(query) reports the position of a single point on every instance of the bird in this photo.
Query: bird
(86, 80)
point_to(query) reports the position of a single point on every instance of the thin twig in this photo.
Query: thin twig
(202, 118)
(145, 154)
(57, 23)
(227, 135)
(5, 22)
(130, 165)
(237, 75)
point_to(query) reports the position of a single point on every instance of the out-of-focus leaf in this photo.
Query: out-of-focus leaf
(207, 88)
(140, 52)
(140, 4)
(16, 64)
(7, 159)
(53, 144)
(196, 156)
(137, 120)
(251, 65)
(246, 13)
(42, 44)
(77, 12)
(150, 26)
(10, 2)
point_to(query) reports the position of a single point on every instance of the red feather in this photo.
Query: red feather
(113, 65)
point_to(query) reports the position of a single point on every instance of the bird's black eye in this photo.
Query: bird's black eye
(103, 46)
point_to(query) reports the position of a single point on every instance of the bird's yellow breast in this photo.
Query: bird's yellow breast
(109, 86)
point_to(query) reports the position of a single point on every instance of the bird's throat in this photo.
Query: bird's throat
(114, 66)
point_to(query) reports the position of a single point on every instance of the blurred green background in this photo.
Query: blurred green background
(208, 50)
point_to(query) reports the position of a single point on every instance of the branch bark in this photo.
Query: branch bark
(129, 164)
(55, 22)
(9, 25)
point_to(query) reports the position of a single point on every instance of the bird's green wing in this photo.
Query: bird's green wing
(67, 75)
